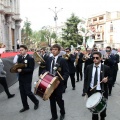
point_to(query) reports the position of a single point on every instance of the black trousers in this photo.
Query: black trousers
(56, 97)
(3, 82)
(84, 81)
(25, 91)
(102, 114)
(114, 76)
(79, 71)
(110, 85)
(72, 77)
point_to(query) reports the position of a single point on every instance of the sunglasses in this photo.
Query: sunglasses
(107, 50)
(95, 58)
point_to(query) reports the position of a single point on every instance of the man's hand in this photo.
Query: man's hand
(39, 63)
(105, 79)
(19, 70)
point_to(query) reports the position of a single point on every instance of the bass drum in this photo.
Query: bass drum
(46, 85)
(95, 103)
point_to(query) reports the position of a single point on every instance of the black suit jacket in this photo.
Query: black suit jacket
(26, 75)
(70, 62)
(80, 61)
(116, 61)
(105, 71)
(64, 70)
(41, 68)
(88, 62)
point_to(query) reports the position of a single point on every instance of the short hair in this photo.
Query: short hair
(68, 49)
(56, 46)
(98, 53)
(24, 46)
(79, 48)
(43, 49)
(108, 47)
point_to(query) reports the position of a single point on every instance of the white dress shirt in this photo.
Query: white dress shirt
(55, 60)
(93, 74)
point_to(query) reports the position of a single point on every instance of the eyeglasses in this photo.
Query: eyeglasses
(95, 58)
(107, 50)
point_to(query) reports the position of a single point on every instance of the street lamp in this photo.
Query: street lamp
(84, 34)
(55, 11)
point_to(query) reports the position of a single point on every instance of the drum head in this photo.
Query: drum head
(52, 86)
(93, 100)
(36, 87)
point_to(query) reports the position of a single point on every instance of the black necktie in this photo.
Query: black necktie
(95, 77)
(53, 63)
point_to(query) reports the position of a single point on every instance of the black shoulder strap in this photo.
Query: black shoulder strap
(103, 74)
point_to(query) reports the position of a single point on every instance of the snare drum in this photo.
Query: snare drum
(46, 85)
(95, 103)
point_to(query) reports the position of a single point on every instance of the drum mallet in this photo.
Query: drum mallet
(60, 75)
(56, 69)
(95, 86)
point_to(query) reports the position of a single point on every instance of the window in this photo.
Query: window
(111, 38)
(111, 27)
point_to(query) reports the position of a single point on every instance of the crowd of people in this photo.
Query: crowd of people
(100, 70)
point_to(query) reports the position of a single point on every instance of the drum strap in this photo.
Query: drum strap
(102, 78)
(58, 61)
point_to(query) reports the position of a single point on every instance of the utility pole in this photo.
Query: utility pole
(55, 11)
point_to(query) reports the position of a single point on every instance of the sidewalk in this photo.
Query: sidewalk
(74, 104)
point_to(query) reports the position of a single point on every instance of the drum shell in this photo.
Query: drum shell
(46, 85)
(99, 106)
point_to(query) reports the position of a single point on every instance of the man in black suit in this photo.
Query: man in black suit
(115, 68)
(42, 66)
(103, 74)
(70, 60)
(87, 59)
(25, 79)
(79, 56)
(110, 61)
(57, 94)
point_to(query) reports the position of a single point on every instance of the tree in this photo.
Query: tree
(26, 32)
(42, 37)
(70, 32)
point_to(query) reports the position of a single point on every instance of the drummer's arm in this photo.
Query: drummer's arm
(86, 80)
(65, 70)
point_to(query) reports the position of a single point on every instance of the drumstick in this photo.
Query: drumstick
(95, 86)
(60, 75)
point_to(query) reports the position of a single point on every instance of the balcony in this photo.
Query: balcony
(2, 8)
(9, 11)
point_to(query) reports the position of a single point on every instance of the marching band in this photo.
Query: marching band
(97, 68)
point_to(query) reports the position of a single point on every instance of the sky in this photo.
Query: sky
(39, 14)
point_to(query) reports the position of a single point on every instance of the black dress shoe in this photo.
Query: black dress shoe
(24, 109)
(102, 119)
(53, 119)
(83, 94)
(36, 106)
(11, 95)
(109, 94)
(73, 88)
(62, 117)
(63, 91)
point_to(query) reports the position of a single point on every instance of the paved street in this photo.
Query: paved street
(74, 104)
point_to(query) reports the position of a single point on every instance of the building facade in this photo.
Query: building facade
(10, 32)
(106, 28)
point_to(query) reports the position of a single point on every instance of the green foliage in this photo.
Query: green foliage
(26, 32)
(70, 32)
